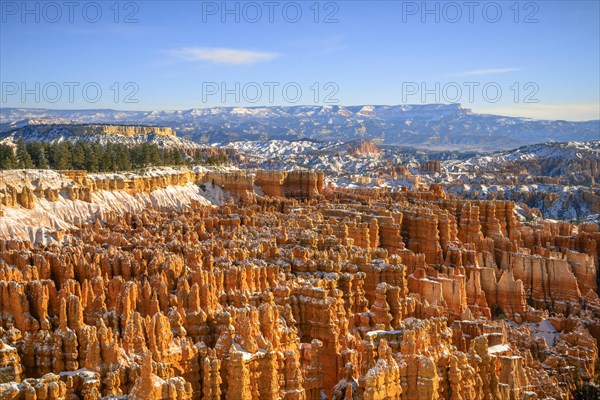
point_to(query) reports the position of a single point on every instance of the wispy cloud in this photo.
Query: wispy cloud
(222, 55)
(489, 71)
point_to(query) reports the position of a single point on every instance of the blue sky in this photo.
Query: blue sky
(539, 59)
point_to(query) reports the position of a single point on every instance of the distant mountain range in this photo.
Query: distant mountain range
(430, 126)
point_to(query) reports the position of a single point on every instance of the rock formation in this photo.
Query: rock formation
(294, 184)
(431, 167)
(288, 290)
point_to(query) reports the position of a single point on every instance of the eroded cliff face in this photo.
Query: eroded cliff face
(126, 130)
(294, 291)
(294, 184)
(41, 205)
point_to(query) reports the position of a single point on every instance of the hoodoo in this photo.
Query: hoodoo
(185, 284)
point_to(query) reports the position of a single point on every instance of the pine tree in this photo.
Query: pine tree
(104, 160)
(146, 155)
(52, 152)
(167, 157)
(37, 150)
(78, 157)
(176, 157)
(8, 160)
(123, 158)
(23, 157)
(42, 162)
(63, 161)
(136, 156)
(93, 155)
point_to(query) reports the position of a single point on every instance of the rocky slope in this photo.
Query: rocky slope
(430, 126)
(292, 289)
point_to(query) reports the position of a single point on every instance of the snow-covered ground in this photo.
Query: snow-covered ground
(553, 177)
(330, 157)
(64, 214)
(542, 329)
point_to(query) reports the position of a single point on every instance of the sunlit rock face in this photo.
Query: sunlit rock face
(194, 284)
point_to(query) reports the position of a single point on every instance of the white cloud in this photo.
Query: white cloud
(489, 71)
(221, 55)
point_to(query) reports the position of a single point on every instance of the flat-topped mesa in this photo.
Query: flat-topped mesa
(295, 184)
(125, 130)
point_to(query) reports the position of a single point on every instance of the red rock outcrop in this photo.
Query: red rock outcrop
(362, 147)
(431, 167)
(238, 183)
(294, 184)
